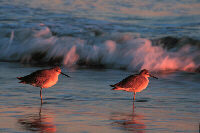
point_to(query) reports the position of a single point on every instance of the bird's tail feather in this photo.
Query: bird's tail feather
(20, 78)
(118, 88)
(114, 87)
(22, 82)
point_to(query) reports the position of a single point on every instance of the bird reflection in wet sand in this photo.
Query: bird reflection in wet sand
(38, 122)
(129, 122)
(134, 83)
(42, 78)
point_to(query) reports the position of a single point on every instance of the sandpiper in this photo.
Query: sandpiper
(44, 78)
(134, 83)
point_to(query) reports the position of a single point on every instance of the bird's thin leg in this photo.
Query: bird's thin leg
(41, 95)
(40, 110)
(133, 105)
(134, 96)
(134, 101)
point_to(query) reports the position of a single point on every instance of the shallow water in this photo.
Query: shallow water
(85, 103)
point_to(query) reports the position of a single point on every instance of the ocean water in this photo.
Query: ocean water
(99, 43)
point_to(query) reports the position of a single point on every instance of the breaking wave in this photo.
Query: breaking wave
(105, 50)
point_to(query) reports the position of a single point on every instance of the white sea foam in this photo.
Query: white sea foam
(121, 52)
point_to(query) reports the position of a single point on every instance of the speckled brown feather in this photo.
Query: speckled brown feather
(134, 83)
(42, 78)
(38, 77)
(131, 83)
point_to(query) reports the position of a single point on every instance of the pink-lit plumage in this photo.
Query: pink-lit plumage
(134, 83)
(44, 78)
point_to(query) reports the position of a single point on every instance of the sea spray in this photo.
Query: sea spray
(71, 57)
(108, 50)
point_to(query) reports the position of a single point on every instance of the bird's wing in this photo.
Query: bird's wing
(37, 77)
(132, 81)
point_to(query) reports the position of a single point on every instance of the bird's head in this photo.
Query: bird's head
(145, 73)
(58, 71)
